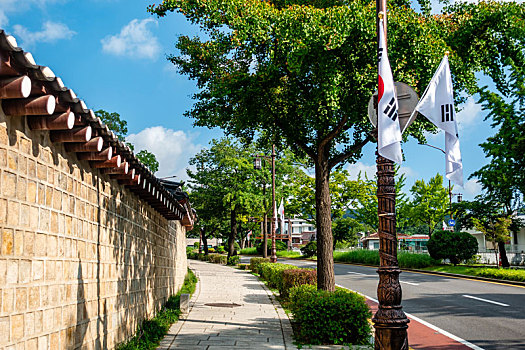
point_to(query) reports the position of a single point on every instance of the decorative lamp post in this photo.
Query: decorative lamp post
(257, 165)
(390, 322)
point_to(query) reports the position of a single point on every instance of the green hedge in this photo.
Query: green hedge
(416, 261)
(273, 273)
(359, 256)
(248, 251)
(503, 274)
(234, 260)
(322, 317)
(296, 277)
(217, 259)
(256, 262)
(371, 257)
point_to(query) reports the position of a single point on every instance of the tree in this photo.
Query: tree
(345, 229)
(503, 178)
(301, 72)
(430, 202)
(225, 186)
(496, 231)
(223, 181)
(486, 211)
(453, 245)
(120, 127)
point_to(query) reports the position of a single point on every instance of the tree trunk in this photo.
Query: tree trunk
(204, 241)
(503, 255)
(323, 203)
(233, 233)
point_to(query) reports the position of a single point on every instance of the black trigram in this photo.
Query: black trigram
(391, 109)
(447, 113)
(379, 54)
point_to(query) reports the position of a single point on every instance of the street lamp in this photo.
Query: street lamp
(257, 165)
(450, 194)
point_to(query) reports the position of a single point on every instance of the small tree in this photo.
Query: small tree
(455, 246)
(430, 203)
(495, 231)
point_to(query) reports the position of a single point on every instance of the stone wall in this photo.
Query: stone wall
(83, 261)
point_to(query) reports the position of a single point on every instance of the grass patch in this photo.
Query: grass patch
(503, 274)
(151, 332)
(288, 254)
(248, 251)
(371, 257)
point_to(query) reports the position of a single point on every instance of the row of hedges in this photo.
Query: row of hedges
(319, 317)
(371, 257)
(213, 258)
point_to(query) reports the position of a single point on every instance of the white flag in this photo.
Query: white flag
(281, 215)
(437, 104)
(389, 131)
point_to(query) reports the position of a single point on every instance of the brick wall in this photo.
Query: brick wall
(83, 261)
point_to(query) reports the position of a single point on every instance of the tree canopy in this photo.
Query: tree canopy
(301, 72)
(120, 127)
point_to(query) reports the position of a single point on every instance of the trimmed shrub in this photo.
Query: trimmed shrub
(296, 277)
(217, 259)
(415, 260)
(455, 246)
(202, 257)
(273, 273)
(279, 245)
(256, 262)
(220, 249)
(322, 317)
(234, 260)
(244, 266)
(309, 249)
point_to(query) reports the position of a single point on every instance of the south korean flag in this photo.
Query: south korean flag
(437, 104)
(389, 131)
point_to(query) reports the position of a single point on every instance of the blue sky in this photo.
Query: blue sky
(112, 53)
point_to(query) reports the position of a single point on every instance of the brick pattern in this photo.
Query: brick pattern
(82, 260)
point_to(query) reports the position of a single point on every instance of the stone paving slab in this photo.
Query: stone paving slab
(259, 322)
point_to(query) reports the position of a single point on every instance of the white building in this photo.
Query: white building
(302, 232)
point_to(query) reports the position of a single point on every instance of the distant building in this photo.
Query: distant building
(414, 243)
(302, 232)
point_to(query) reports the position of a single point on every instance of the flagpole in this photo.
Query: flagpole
(390, 322)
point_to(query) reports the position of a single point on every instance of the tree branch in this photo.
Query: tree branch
(335, 131)
(355, 148)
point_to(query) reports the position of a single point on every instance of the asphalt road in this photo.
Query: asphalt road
(489, 315)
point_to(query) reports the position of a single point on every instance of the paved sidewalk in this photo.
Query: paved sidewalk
(257, 322)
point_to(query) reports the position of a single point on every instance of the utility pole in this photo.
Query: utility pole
(390, 322)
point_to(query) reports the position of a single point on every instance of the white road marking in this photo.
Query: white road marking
(411, 283)
(437, 329)
(358, 273)
(485, 300)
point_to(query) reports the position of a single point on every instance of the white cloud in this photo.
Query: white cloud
(51, 32)
(11, 6)
(472, 188)
(134, 40)
(364, 169)
(172, 148)
(469, 115)
(370, 170)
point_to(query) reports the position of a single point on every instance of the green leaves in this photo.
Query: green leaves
(430, 202)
